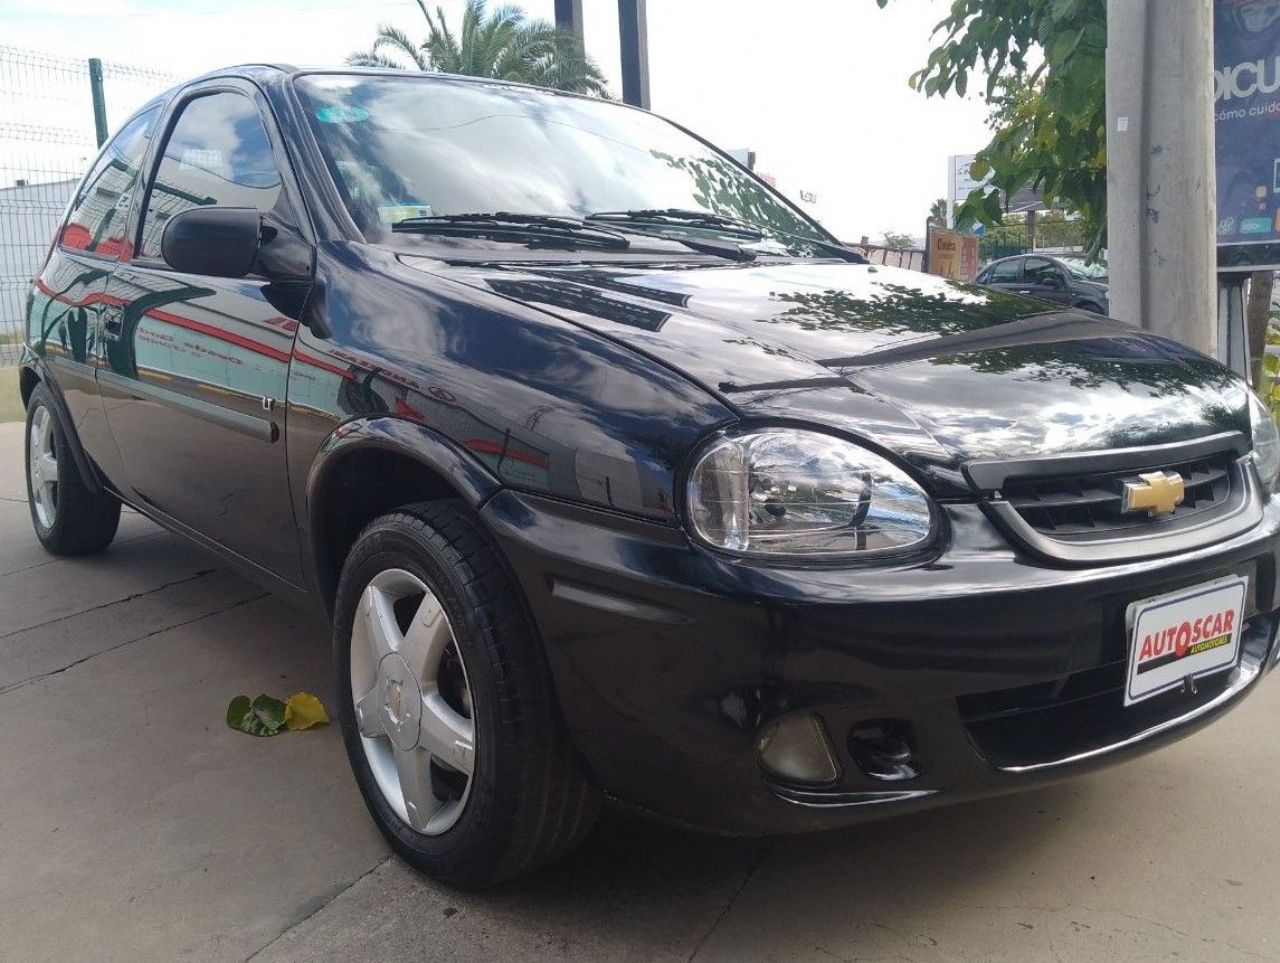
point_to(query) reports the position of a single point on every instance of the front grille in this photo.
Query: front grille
(1090, 505)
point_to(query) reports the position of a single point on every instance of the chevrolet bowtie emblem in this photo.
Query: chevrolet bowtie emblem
(1156, 493)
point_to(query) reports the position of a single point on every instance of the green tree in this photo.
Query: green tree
(897, 242)
(938, 212)
(1045, 67)
(503, 44)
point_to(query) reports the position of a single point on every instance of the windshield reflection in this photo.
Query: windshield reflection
(400, 147)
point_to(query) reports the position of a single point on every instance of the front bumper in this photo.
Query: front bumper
(668, 661)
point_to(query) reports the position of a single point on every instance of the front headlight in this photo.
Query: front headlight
(1266, 442)
(785, 492)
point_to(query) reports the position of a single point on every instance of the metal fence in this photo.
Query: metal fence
(48, 137)
(910, 258)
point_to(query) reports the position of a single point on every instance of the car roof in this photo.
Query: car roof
(279, 73)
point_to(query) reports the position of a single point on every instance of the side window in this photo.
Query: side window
(1044, 272)
(100, 210)
(1006, 272)
(218, 153)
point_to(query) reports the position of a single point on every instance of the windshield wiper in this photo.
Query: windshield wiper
(545, 228)
(680, 217)
(520, 228)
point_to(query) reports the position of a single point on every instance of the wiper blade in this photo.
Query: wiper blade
(520, 228)
(677, 216)
(545, 228)
(680, 216)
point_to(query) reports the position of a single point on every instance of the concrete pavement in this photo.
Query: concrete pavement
(135, 826)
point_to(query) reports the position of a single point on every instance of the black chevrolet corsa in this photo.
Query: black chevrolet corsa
(619, 478)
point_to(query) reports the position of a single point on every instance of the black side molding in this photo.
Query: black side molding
(264, 429)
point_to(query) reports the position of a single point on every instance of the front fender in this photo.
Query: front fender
(434, 451)
(447, 470)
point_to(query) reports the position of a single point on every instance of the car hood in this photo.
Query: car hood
(940, 373)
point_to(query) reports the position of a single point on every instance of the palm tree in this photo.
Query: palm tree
(938, 212)
(503, 44)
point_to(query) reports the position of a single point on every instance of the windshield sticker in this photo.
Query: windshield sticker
(341, 114)
(389, 214)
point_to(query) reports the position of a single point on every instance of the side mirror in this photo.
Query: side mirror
(220, 242)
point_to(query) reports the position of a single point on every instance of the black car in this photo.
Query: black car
(1072, 281)
(619, 478)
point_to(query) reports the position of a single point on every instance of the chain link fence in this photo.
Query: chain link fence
(48, 138)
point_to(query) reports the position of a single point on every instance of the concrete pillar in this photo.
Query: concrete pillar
(633, 33)
(1161, 185)
(569, 17)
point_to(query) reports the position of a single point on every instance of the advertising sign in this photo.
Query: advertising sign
(961, 183)
(1246, 86)
(953, 255)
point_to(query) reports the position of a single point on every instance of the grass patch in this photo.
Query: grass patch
(10, 399)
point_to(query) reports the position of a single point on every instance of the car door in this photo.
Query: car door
(1006, 274)
(1045, 279)
(64, 314)
(197, 366)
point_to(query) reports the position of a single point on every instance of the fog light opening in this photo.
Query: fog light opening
(797, 750)
(884, 749)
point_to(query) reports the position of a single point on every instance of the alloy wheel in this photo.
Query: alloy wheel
(42, 466)
(412, 701)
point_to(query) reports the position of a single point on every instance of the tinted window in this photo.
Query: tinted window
(218, 153)
(406, 147)
(101, 208)
(1039, 270)
(1005, 272)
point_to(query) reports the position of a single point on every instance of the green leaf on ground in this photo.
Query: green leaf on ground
(264, 716)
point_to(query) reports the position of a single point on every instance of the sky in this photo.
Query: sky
(817, 88)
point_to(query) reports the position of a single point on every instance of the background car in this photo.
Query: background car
(1063, 280)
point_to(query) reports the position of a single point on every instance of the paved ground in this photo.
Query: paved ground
(135, 826)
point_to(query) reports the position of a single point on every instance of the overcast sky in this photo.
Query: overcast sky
(818, 88)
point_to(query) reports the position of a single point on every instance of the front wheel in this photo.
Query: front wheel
(69, 518)
(447, 709)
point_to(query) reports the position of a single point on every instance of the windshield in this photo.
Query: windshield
(412, 147)
(1080, 268)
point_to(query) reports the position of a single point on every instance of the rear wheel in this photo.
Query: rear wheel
(68, 517)
(447, 708)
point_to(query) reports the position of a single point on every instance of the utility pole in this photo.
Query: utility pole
(1161, 180)
(569, 17)
(633, 33)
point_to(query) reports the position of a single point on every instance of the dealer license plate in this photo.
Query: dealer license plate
(1194, 632)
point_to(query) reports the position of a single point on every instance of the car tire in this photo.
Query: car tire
(69, 517)
(429, 573)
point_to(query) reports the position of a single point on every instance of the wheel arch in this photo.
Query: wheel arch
(33, 375)
(371, 466)
(28, 378)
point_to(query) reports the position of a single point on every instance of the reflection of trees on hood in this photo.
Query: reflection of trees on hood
(1127, 363)
(1136, 363)
(723, 187)
(899, 309)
